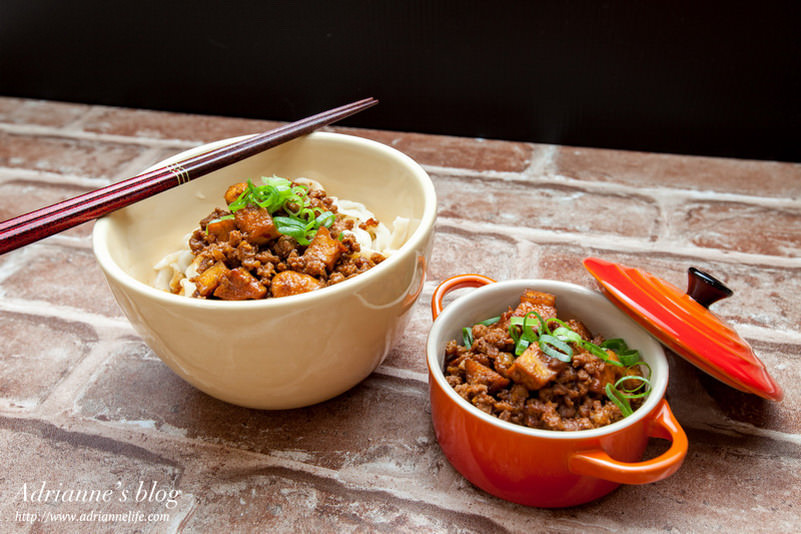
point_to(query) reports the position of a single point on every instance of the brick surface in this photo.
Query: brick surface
(546, 206)
(85, 404)
(637, 169)
(66, 156)
(60, 276)
(169, 126)
(320, 434)
(40, 112)
(124, 487)
(279, 500)
(457, 152)
(742, 227)
(62, 345)
(21, 196)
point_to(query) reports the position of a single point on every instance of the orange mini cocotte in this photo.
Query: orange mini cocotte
(533, 466)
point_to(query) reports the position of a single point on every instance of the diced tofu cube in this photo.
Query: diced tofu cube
(538, 298)
(531, 369)
(579, 328)
(221, 228)
(239, 284)
(611, 371)
(207, 281)
(257, 224)
(476, 373)
(323, 252)
(233, 192)
(293, 283)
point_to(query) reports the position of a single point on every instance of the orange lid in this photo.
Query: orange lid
(683, 322)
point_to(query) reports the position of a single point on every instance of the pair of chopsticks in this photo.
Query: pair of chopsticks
(38, 224)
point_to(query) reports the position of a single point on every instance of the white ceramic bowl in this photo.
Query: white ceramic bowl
(292, 351)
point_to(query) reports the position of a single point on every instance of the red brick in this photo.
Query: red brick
(408, 354)
(383, 414)
(65, 155)
(726, 482)
(61, 276)
(42, 451)
(546, 206)
(279, 500)
(21, 196)
(741, 227)
(763, 296)
(700, 401)
(40, 112)
(368, 460)
(759, 178)
(457, 250)
(28, 372)
(172, 126)
(457, 152)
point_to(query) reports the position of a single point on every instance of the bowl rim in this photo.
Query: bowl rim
(463, 302)
(100, 234)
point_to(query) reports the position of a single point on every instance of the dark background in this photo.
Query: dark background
(713, 78)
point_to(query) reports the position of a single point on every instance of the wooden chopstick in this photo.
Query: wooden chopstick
(38, 224)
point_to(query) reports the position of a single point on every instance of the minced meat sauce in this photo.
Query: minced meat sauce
(535, 389)
(242, 255)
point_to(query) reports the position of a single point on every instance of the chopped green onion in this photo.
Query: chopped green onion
(622, 402)
(555, 348)
(626, 355)
(621, 395)
(631, 393)
(599, 353)
(642, 363)
(278, 194)
(491, 320)
(630, 357)
(542, 327)
(514, 333)
(326, 219)
(556, 344)
(564, 333)
(467, 336)
(467, 331)
(616, 344)
(293, 228)
(558, 321)
(526, 335)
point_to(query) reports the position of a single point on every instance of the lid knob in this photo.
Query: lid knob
(705, 289)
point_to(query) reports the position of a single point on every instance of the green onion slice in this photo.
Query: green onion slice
(622, 402)
(277, 194)
(600, 353)
(641, 390)
(525, 334)
(467, 331)
(555, 348)
(626, 355)
(566, 334)
(467, 336)
(491, 320)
